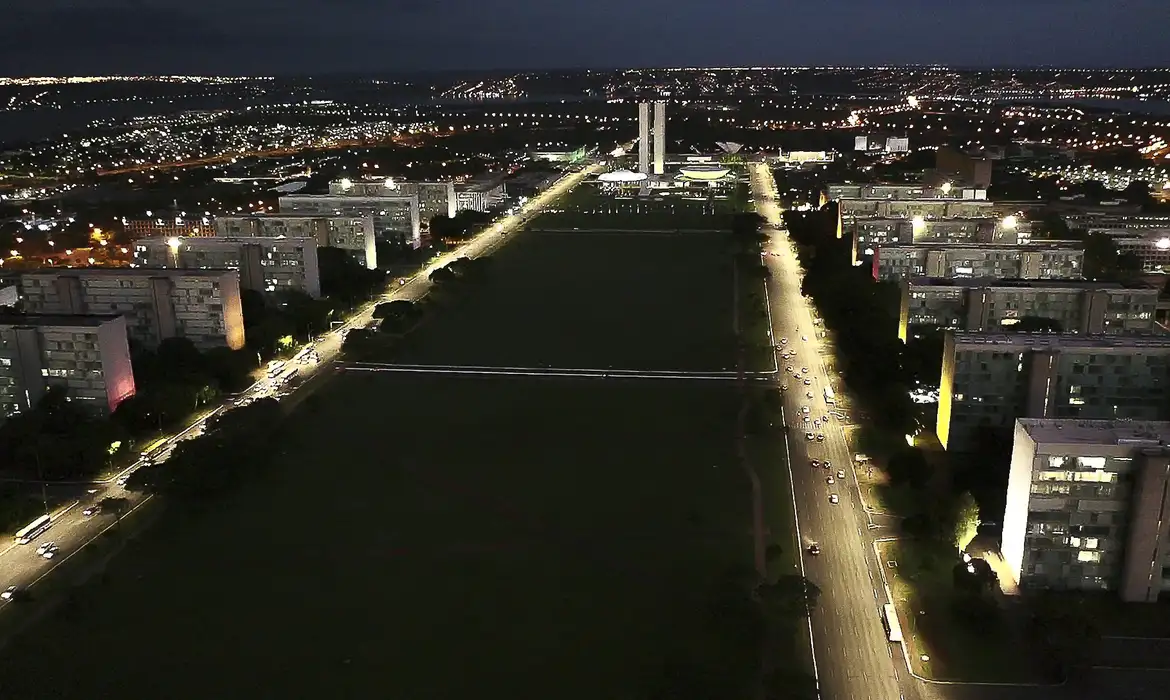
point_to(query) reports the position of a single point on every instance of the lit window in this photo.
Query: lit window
(1091, 557)
(1091, 542)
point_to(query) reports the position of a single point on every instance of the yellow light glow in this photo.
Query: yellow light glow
(174, 243)
(918, 222)
(946, 188)
(1010, 222)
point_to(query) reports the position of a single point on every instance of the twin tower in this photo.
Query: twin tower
(644, 146)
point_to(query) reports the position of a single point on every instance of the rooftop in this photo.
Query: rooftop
(126, 272)
(224, 241)
(1051, 284)
(90, 320)
(1001, 248)
(1097, 432)
(1062, 341)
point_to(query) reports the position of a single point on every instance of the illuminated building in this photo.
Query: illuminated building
(990, 379)
(961, 169)
(954, 260)
(1076, 306)
(652, 137)
(167, 227)
(265, 264)
(397, 218)
(1085, 507)
(86, 356)
(354, 234)
(202, 306)
(480, 195)
(868, 233)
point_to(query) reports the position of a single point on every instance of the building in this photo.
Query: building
(1009, 230)
(990, 379)
(87, 356)
(874, 143)
(167, 227)
(961, 169)
(1086, 504)
(1077, 306)
(480, 195)
(1151, 247)
(652, 137)
(1050, 260)
(894, 191)
(202, 306)
(397, 217)
(354, 234)
(265, 264)
(434, 198)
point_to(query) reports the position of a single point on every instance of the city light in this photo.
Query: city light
(174, 243)
(1162, 244)
(946, 188)
(1010, 222)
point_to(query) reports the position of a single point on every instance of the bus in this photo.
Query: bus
(30, 532)
(829, 398)
(890, 618)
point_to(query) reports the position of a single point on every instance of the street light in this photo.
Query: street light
(1010, 221)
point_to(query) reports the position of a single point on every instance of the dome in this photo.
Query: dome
(704, 172)
(621, 176)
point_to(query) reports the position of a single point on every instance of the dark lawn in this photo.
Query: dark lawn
(427, 537)
(627, 301)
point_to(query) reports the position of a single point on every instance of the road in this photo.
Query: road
(854, 660)
(72, 530)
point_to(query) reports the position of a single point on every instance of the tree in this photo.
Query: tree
(789, 597)
(966, 520)
(908, 466)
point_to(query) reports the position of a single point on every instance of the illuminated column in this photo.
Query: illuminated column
(644, 137)
(659, 137)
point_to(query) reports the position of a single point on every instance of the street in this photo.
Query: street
(71, 530)
(853, 657)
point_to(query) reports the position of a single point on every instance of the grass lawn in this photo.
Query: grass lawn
(453, 537)
(625, 301)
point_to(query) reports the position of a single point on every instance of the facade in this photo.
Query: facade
(396, 216)
(1085, 507)
(354, 234)
(868, 233)
(891, 191)
(1151, 248)
(990, 379)
(87, 356)
(1093, 308)
(962, 169)
(202, 306)
(480, 196)
(644, 137)
(264, 264)
(1034, 261)
(652, 137)
(659, 138)
(167, 227)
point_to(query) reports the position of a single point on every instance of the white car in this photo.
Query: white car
(833, 499)
(815, 463)
(828, 464)
(804, 370)
(783, 387)
(8, 593)
(784, 341)
(804, 409)
(808, 382)
(840, 473)
(814, 549)
(809, 436)
(791, 369)
(804, 338)
(48, 550)
(808, 394)
(830, 480)
(92, 510)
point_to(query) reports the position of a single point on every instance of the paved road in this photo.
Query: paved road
(853, 657)
(71, 530)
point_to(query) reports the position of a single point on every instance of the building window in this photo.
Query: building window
(1091, 557)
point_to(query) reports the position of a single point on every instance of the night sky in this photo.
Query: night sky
(264, 37)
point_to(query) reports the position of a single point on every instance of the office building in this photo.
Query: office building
(867, 233)
(167, 226)
(353, 234)
(895, 191)
(952, 260)
(202, 306)
(87, 356)
(961, 169)
(652, 137)
(1086, 505)
(1076, 306)
(1150, 247)
(397, 217)
(990, 379)
(480, 195)
(265, 264)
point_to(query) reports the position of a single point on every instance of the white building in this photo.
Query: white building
(952, 260)
(397, 217)
(354, 234)
(1086, 504)
(480, 195)
(264, 264)
(202, 306)
(87, 356)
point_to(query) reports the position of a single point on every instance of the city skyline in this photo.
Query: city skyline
(253, 37)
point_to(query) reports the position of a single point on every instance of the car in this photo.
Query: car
(44, 548)
(825, 419)
(804, 370)
(820, 437)
(784, 341)
(828, 464)
(783, 387)
(123, 480)
(816, 424)
(10, 593)
(92, 510)
(830, 480)
(809, 436)
(51, 550)
(808, 394)
(833, 499)
(814, 549)
(807, 419)
(840, 473)
(804, 409)
(808, 382)
(790, 369)
(804, 338)
(815, 462)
